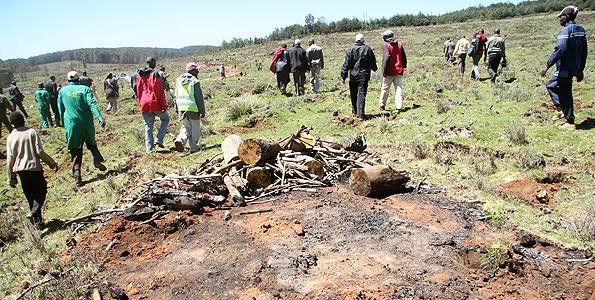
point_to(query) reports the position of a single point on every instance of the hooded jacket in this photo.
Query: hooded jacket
(148, 88)
(359, 60)
(570, 53)
(394, 60)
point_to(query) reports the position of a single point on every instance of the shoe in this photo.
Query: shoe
(99, 166)
(568, 126)
(160, 145)
(179, 146)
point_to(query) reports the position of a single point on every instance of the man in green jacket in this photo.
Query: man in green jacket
(42, 97)
(5, 106)
(77, 106)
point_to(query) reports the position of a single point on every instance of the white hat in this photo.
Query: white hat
(73, 76)
(360, 38)
(297, 42)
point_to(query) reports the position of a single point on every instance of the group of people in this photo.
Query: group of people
(298, 61)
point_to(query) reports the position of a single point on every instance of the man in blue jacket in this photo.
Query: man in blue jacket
(570, 58)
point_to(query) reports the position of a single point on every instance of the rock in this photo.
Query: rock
(299, 229)
(541, 196)
(227, 215)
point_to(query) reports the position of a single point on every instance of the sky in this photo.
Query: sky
(33, 27)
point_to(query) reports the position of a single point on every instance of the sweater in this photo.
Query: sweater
(24, 153)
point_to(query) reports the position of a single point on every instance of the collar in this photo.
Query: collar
(71, 83)
(569, 22)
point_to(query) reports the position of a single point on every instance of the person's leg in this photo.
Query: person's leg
(362, 91)
(195, 135)
(22, 108)
(108, 108)
(54, 106)
(554, 90)
(76, 158)
(279, 81)
(353, 94)
(183, 135)
(35, 190)
(48, 115)
(566, 100)
(44, 123)
(475, 73)
(398, 81)
(164, 117)
(384, 90)
(149, 119)
(97, 157)
(302, 82)
(4, 119)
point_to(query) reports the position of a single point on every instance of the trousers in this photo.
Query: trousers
(35, 190)
(475, 71)
(358, 91)
(315, 78)
(493, 64)
(149, 118)
(461, 62)
(560, 90)
(76, 158)
(384, 91)
(190, 132)
(299, 78)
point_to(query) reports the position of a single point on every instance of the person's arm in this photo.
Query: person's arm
(46, 158)
(345, 67)
(321, 59)
(559, 49)
(61, 107)
(373, 65)
(160, 92)
(404, 57)
(90, 99)
(457, 46)
(199, 99)
(385, 59)
(10, 159)
(583, 54)
(133, 84)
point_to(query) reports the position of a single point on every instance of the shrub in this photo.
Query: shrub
(484, 165)
(517, 134)
(244, 105)
(582, 224)
(528, 160)
(419, 149)
(442, 107)
(494, 255)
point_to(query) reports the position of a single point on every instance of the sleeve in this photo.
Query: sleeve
(133, 85)
(457, 46)
(583, 54)
(90, 99)
(160, 92)
(10, 159)
(200, 101)
(321, 59)
(373, 65)
(46, 158)
(61, 107)
(385, 58)
(559, 49)
(404, 57)
(503, 48)
(345, 67)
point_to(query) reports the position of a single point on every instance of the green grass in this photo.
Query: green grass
(405, 140)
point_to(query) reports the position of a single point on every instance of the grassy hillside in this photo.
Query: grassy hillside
(511, 133)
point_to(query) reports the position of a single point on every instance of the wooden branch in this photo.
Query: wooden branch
(255, 211)
(95, 214)
(224, 168)
(45, 281)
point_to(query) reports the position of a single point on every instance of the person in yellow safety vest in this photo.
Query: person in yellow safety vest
(191, 108)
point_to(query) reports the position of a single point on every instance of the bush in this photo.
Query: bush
(512, 94)
(517, 134)
(528, 160)
(244, 105)
(419, 149)
(582, 224)
(442, 107)
(484, 165)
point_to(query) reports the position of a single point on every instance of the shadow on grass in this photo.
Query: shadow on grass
(586, 124)
(511, 80)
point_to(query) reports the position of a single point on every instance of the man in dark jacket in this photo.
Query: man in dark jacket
(496, 49)
(570, 58)
(52, 88)
(359, 60)
(4, 107)
(85, 79)
(16, 98)
(298, 63)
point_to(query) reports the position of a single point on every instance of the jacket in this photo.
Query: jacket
(111, 88)
(52, 88)
(24, 152)
(186, 79)
(449, 47)
(496, 46)
(359, 60)
(84, 80)
(42, 97)
(298, 62)
(481, 43)
(77, 105)
(315, 56)
(276, 56)
(570, 52)
(394, 60)
(15, 94)
(148, 88)
(4, 106)
(461, 46)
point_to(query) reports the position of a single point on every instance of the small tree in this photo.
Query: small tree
(309, 20)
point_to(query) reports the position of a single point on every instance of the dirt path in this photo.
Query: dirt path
(407, 246)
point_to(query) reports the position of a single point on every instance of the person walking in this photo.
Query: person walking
(77, 105)
(111, 90)
(5, 106)
(222, 71)
(449, 47)
(298, 63)
(148, 88)
(52, 88)
(316, 63)
(280, 67)
(42, 97)
(570, 58)
(496, 49)
(359, 60)
(16, 98)
(191, 108)
(84, 79)
(24, 154)
(394, 63)
(461, 52)
(478, 50)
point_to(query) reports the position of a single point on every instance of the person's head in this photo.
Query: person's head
(52, 78)
(567, 14)
(359, 38)
(151, 62)
(40, 85)
(388, 35)
(85, 73)
(482, 31)
(16, 119)
(162, 68)
(73, 76)
(13, 82)
(463, 36)
(311, 42)
(283, 45)
(192, 68)
(109, 75)
(497, 31)
(297, 42)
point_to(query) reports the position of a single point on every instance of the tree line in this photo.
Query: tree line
(496, 11)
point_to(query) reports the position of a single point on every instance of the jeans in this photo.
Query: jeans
(560, 90)
(493, 64)
(299, 78)
(358, 91)
(190, 131)
(35, 190)
(386, 83)
(149, 118)
(315, 78)
(461, 58)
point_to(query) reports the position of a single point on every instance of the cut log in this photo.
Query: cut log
(378, 181)
(314, 166)
(230, 148)
(258, 178)
(255, 151)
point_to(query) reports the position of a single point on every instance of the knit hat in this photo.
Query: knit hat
(191, 66)
(570, 10)
(16, 118)
(360, 38)
(73, 76)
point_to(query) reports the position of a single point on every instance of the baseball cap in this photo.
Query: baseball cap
(73, 76)
(360, 37)
(569, 10)
(388, 33)
(191, 66)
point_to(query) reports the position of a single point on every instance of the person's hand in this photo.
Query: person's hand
(343, 79)
(202, 115)
(543, 72)
(102, 123)
(55, 168)
(580, 76)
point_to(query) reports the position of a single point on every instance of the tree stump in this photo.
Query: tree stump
(378, 181)
(255, 151)
(314, 166)
(258, 178)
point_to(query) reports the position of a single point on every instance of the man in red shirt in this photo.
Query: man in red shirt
(480, 50)
(394, 63)
(148, 88)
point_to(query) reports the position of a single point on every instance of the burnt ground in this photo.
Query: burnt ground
(334, 245)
